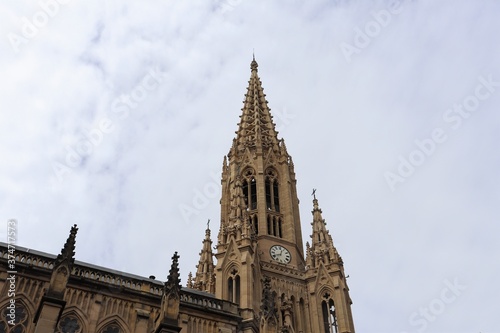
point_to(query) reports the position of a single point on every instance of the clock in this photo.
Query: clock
(280, 254)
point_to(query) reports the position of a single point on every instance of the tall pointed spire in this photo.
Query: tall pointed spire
(256, 129)
(205, 274)
(322, 248)
(259, 205)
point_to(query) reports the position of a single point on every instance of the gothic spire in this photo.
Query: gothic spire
(170, 301)
(322, 248)
(62, 267)
(68, 251)
(173, 283)
(204, 279)
(257, 130)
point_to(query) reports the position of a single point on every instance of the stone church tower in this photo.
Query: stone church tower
(261, 282)
(261, 265)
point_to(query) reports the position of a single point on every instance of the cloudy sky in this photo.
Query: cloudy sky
(116, 116)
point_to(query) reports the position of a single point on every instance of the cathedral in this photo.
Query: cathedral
(257, 278)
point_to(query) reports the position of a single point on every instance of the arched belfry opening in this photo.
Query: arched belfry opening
(272, 191)
(249, 186)
(330, 324)
(234, 287)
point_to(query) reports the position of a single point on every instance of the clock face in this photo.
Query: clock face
(280, 254)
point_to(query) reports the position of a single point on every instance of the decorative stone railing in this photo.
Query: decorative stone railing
(27, 258)
(206, 301)
(117, 279)
(202, 301)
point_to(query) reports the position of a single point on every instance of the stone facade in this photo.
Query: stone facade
(261, 281)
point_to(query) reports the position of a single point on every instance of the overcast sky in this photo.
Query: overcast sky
(116, 116)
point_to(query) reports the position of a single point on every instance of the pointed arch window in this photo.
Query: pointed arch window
(18, 324)
(249, 187)
(302, 314)
(268, 193)
(69, 324)
(237, 289)
(329, 315)
(276, 196)
(113, 328)
(230, 289)
(233, 287)
(272, 191)
(253, 194)
(255, 224)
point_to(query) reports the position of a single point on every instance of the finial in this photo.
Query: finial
(207, 231)
(254, 64)
(314, 193)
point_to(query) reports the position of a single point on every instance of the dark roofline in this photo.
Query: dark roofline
(84, 264)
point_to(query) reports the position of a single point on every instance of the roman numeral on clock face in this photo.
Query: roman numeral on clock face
(280, 254)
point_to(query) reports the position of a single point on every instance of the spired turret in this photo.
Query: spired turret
(326, 281)
(205, 273)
